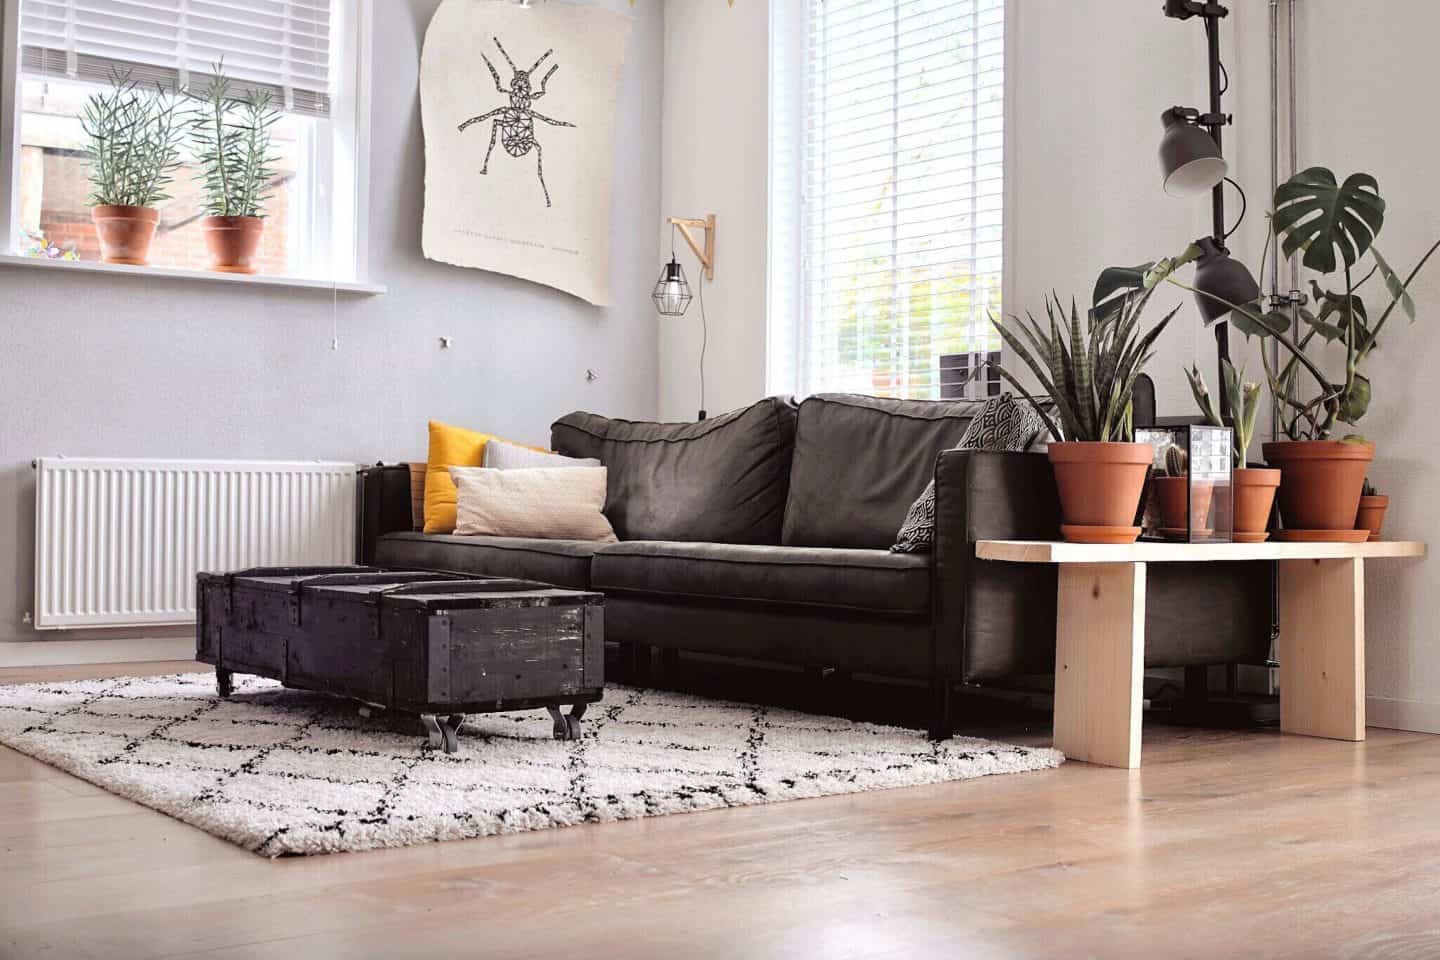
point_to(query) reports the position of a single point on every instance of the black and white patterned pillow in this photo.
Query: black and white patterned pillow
(1003, 423)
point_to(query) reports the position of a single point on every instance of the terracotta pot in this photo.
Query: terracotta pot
(1372, 514)
(1320, 481)
(1100, 486)
(1254, 489)
(232, 242)
(1170, 491)
(125, 233)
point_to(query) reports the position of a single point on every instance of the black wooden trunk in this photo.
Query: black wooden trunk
(427, 643)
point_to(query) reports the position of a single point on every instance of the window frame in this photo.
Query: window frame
(346, 162)
(785, 326)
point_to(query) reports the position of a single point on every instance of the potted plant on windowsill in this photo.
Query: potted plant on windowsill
(231, 135)
(1253, 488)
(1089, 371)
(132, 150)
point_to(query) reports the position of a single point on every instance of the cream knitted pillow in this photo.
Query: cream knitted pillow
(550, 503)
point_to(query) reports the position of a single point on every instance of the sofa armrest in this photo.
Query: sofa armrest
(992, 619)
(382, 505)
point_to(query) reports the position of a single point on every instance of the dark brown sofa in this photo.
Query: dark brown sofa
(764, 533)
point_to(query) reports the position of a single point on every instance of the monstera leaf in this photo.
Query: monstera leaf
(1113, 285)
(1313, 214)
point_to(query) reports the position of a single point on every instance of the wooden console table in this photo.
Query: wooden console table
(1100, 634)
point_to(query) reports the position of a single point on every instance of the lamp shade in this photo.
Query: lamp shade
(671, 293)
(1189, 158)
(1219, 277)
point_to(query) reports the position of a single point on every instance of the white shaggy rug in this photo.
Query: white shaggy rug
(286, 772)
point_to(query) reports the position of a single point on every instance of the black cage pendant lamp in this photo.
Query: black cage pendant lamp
(1191, 162)
(672, 291)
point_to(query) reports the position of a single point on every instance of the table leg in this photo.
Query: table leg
(1099, 662)
(1322, 648)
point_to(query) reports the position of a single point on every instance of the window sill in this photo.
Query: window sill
(173, 273)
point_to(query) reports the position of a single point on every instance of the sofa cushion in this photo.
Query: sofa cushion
(564, 563)
(874, 581)
(722, 479)
(860, 462)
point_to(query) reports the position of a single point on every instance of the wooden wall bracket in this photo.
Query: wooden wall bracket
(707, 255)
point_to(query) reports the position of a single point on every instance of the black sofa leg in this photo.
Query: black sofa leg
(669, 660)
(941, 709)
(636, 657)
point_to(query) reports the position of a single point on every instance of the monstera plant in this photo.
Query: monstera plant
(1332, 226)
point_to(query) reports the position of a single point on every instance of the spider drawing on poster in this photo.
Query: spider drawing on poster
(515, 124)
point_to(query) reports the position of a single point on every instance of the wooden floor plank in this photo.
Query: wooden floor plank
(1272, 845)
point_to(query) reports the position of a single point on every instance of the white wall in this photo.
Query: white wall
(91, 365)
(1367, 90)
(714, 160)
(1088, 83)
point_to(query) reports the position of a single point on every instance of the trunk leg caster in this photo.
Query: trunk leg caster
(567, 726)
(442, 734)
(224, 682)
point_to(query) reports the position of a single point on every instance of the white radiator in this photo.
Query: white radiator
(118, 542)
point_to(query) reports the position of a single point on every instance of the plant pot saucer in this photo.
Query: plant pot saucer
(1096, 533)
(1251, 537)
(1180, 533)
(1322, 536)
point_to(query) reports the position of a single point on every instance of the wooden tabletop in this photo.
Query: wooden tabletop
(1059, 551)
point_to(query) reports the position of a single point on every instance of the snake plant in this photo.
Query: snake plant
(1087, 367)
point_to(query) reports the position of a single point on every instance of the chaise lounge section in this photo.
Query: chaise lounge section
(764, 533)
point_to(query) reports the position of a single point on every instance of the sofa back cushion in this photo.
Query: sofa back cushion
(721, 480)
(860, 462)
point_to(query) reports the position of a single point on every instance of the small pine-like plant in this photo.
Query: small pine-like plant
(134, 143)
(231, 136)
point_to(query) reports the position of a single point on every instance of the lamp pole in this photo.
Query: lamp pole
(1214, 121)
(1217, 195)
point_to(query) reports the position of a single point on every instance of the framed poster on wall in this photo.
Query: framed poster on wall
(518, 107)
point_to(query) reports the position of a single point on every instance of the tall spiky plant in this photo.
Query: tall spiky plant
(231, 135)
(1088, 368)
(133, 145)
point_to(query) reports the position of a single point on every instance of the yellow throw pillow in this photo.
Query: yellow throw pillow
(449, 447)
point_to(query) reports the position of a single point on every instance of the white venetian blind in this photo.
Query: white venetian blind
(279, 45)
(901, 192)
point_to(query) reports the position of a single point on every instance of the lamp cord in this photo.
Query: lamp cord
(704, 341)
(1244, 204)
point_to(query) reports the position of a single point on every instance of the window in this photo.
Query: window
(886, 195)
(306, 53)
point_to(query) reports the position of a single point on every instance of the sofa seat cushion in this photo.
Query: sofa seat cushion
(874, 581)
(564, 563)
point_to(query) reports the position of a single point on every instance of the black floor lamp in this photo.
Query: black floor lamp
(1192, 162)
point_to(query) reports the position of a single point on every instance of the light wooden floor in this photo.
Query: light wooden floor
(1224, 845)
